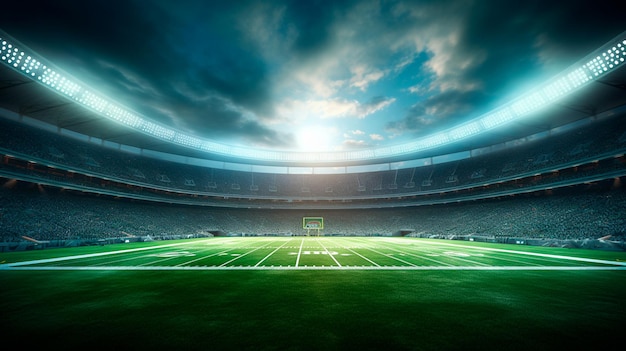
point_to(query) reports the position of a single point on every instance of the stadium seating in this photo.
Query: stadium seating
(509, 168)
(579, 158)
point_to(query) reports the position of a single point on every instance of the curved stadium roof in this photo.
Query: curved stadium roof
(34, 87)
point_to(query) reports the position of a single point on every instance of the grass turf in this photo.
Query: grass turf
(314, 310)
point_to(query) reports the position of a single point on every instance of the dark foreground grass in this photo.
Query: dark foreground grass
(314, 310)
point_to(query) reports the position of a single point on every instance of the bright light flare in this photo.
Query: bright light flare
(314, 138)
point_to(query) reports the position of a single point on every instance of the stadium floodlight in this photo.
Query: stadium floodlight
(464, 130)
(496, 118)
(600, 62)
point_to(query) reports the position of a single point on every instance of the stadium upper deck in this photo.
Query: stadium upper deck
(34, 89)
(594, 152)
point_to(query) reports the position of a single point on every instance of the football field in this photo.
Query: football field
(322, 253)
(313, 293)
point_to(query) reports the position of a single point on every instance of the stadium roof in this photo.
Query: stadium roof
(593, 85)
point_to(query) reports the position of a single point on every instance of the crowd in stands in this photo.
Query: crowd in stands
(573, 147)
(43, 213)
(50, 213)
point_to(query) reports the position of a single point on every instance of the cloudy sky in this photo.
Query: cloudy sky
(312, 74)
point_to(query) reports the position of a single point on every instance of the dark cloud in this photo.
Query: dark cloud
(219, 116)
(438, 112)
(195, 65)
(142, 54)
(313, 21)
(514, 45)
(514, 34)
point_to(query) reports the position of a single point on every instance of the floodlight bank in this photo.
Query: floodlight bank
(603, 60)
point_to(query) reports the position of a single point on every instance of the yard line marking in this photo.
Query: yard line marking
(66, 258)
(98, 259)
(471, 253)
(499, 258)
(429, 259)
(270, 254)
(115, 261)
(466, 260)
(299, 253)
(174, 255)
(581, 259)
(418, 256)
(203, 257)
(363, 257)
(143, 264)
(538, 257)
(242, 255)
(331, 256)
(369, 247)
(391, 256)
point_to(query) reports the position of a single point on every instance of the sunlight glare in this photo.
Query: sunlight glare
(315, 138)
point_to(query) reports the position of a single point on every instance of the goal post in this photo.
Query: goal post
(313, 223)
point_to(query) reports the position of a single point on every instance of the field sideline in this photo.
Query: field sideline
(320, 253)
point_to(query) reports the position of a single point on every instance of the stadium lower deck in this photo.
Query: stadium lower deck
(320, 253)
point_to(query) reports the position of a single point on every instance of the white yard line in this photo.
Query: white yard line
(203, 257)
(178, 254)
(271, 253)
(331, 256)
(242, 255)
(415, 255)
(195, 253)
(132, 258)
(66, 258)
(581, 259)
(363, 257)
(538, 256)
(395, 258)
(430, 259)
(500, 258)
(299, 253)
(453, 257)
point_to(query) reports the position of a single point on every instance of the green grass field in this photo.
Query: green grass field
(314, 293)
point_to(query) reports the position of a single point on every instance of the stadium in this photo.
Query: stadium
(505, 231)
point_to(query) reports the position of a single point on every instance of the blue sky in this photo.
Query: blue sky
(313, 75)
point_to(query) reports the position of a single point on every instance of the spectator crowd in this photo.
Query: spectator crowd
(44, 213)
